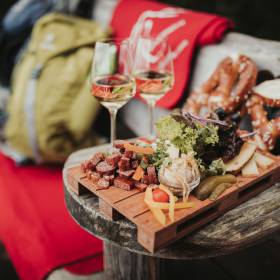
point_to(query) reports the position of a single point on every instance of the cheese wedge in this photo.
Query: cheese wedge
(250, 169)
(262, 160)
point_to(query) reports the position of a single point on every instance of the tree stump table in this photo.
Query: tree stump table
(239, 228)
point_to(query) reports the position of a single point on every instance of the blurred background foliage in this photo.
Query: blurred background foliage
(258, 18)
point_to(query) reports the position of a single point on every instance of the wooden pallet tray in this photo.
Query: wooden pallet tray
(115, 203)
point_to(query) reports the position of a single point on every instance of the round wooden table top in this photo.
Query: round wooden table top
(241, 227)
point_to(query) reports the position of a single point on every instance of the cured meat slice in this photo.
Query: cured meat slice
(129, 154)
(103, 184)
(113, 159)
(96, 159)
(145, 179)
(95, 176)
(109, 178)
(141, 186)
(124, 183)
(83, 167)
(86, 165)
(119, 144)
(104, 168)
(152, 175)
(124, 164)
(127, 173)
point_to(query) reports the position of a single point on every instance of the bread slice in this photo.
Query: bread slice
(247, 151)
(262, 160)
(250, 169)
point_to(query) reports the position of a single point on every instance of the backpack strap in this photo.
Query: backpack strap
(29, 106)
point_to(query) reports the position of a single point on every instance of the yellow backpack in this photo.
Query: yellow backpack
(51, 109)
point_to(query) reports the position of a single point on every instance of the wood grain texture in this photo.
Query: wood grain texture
(121, 264)
(243, 226)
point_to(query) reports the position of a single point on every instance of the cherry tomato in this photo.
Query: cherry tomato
(160, 196)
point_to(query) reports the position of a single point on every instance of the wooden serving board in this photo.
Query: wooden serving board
(116, 203)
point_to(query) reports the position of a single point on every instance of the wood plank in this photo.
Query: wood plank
(133, 206)
(108, 210)
(114, 194)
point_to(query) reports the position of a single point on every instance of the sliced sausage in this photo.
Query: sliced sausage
(145, 179)
(103, 184)
(83, 167)
(119, 144)
(113, 159)
(129, 154)
(124, 164)
(151, 170)
(124, 183)
(96, 159)
(141, 186)
(104, 168)
(95, 176)
(126, 174)
(87, 165)
(109, 178)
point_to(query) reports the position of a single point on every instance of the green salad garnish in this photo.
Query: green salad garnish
(190, 137)
(160, 155)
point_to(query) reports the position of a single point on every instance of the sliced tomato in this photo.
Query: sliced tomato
(160, 196)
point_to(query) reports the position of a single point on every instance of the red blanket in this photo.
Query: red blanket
(35, 227)
(185, 30)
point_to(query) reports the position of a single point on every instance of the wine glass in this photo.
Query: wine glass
(153, 71)
(111, 81)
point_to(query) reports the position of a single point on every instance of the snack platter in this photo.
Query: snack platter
(115, 203)
(199, 166)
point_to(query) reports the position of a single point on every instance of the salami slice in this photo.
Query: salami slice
(87, 165)
(141, 186)
(145, 179)
(95, 176)
(124, 183)
(124, 164)
(127, 173)
(119, 144)
(152, 175)
(109, 178)
(96, 159)
(113, 159)
(129, 154)
(103, 184)
(104, 168)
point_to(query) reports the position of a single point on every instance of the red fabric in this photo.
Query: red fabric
(199, 29)
(35, 227)
(86, 266)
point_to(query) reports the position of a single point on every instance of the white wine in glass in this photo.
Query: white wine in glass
(153, 72)
(111, 81)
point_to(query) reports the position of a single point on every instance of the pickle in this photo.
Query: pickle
(219, 190)
(204, 190)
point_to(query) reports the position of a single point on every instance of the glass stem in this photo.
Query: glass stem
(151, 106)
(113, 114)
